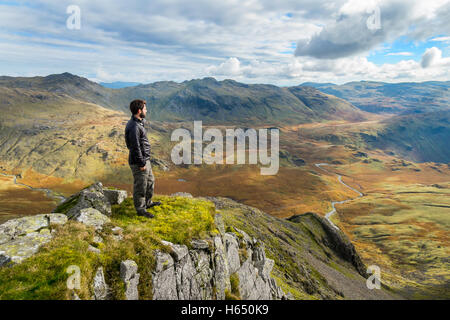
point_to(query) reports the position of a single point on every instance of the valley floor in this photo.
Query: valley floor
(401, 224)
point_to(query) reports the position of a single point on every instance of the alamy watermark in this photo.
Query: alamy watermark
(74, 280)
(73, 22)
(214, 153)
(374, 21)
(374, 281)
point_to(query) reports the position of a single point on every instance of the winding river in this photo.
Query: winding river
(49, 193)
(333, 203)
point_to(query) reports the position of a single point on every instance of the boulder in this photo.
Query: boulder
(129, 275)
(115, 196)
(199, 244)
(22, 226)
(181, 194)
(92, 217)
(164, 281)
(232, 251)
(21, 238)
(99, 286)
(90, 197)
(251, 285)
(221, 272)
(25, 246)
(4, 259)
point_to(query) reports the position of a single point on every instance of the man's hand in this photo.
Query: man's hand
(143, 168)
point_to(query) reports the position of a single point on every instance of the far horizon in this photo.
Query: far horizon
(132, 84)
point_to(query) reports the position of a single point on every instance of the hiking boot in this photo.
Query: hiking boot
(152, 204)
(144, 213)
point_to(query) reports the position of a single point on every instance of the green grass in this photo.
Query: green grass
(177, 219)
(44, 276)
(234, 294)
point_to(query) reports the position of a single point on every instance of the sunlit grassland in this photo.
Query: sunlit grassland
(402, 225)
(16, 200)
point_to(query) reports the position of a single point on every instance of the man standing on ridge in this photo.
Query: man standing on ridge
(139, 159)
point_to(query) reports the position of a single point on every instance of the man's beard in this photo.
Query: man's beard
(142, 115)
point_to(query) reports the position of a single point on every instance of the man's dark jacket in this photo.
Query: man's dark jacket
(137, 142)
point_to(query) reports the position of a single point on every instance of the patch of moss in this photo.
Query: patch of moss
(234, 281)
(177, 219)
(44, 275)
(231, 229)
(67, 205)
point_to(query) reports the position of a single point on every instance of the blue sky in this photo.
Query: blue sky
(281, 42)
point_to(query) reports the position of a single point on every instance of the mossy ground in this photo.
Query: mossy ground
(44, 275)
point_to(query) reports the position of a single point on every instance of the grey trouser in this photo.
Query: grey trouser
(144, 185)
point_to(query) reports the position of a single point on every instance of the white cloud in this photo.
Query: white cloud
(231, 67)
(251, 40)
(406, 54)
(351, 35)
(441, 39)
(433, 57)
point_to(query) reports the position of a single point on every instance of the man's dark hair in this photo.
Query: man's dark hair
(135, 105)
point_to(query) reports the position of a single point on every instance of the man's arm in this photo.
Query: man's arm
(135, 146)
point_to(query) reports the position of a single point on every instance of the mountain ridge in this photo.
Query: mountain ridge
(201, 99)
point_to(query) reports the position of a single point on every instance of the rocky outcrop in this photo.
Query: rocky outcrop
(204, 271)
(130, 276)
(91, 217)
(115, 196)
(99, 286)
(94, 196)
(21, 238)
(335, 240)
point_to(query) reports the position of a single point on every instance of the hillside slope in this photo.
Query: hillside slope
(215, 257)
(205, 99)
(379, 97)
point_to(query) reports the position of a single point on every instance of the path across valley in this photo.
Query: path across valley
(49, 193)
(333, 203)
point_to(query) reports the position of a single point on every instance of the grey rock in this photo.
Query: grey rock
(90, 197)
(259, 253)
(100, 288)
(218, 220)
(25, 246)
(191, 272)
(204, 274)
(251, 285)
(19, 227)
(181, 194)
(4, 259)
(115, 196)
(94, 249)
(56, 218)
(98, 239)
(246, 238)
(265, 268)
(179, 251)
(92, 217)
(117, 230)
(164, 279)
(232, 251)
(129, 275)
(21, 238)
(221, 272)
(200, 245)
